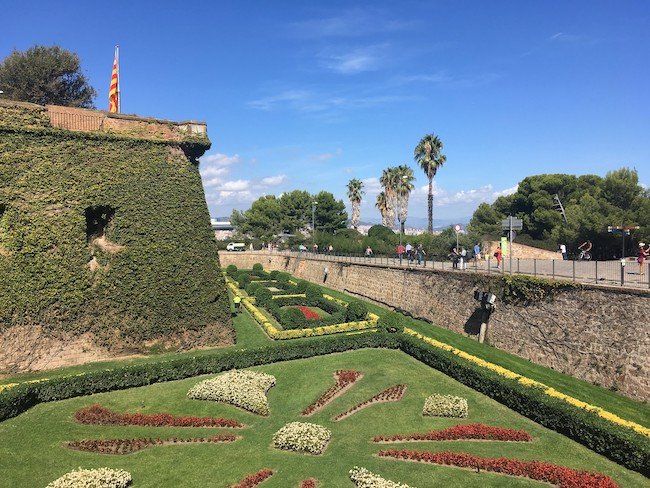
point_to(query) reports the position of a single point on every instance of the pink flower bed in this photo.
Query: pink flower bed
(461, 432)
(310, 483)
(98, 415)
(537, 470)
(392, 394)
(344, 380)
(254, 479)
(127, 446)
(308, 312)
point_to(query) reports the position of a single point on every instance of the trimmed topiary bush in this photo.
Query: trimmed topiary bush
(231, 269)
(302, 286)
(243, 279)
(356, 311)
(314, 294)
(292, 318)
(283, 277)
(251, 288)
(263, 296)
(392, 322)
(258, 269)
(274, 274)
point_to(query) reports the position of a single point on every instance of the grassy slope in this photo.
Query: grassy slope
(31, 452)
(252, 336)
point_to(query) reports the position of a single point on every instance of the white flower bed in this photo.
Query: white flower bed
(445, 406)
(302, 437)
(363, 478)
(93, 478)
(244, 389)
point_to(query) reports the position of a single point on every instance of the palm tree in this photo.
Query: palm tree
(389, 182)
(382, 206)
(355, 190)
(428, 154)
(403, 188)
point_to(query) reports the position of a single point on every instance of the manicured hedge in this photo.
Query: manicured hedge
(619, 444)
(16, 400)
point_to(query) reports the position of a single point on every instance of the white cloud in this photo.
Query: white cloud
(219, 159)
(288, 97)
(356, 61)
(273, 180)
(235, 185)
(327, 156)
(352, 23)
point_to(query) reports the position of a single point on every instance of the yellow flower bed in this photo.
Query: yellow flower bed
(275, 333)
(337, 300)
(295, 295)
(552, 392)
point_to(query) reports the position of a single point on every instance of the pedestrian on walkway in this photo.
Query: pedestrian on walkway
(565, 257)
(368, 252)
(642, 255)
(409, 252)
(455, 257)
(463, 255)
(499, 255)
(477, 252)
(400, 249)
(421, 254)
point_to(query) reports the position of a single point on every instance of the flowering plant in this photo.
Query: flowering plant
(98, 415)
(302, 437)
(96, 478)
(458, 432)
(445, 406)
(127, 446)
(363, 478)
(254, 479)
(310, 483)
(391, 394)
(536, 470)
(344, 380)
(244, 389)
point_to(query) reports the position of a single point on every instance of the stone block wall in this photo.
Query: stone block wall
(599, 335)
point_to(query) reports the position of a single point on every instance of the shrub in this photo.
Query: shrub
(258, 269)
(302, 437)
(302, 286)
(445, 406)
(362, 478)
(263, 296)
(231, 270)
(274, 274)
(243, 279)
(292, 318)
(392, 322)
(254, 479)
(252, 288)
(283, 277)
(357, 310)
(244, 389)
(98, 478)
(314, 294)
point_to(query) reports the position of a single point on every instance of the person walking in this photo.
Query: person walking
(642, 255)
(499, 256)
(368, 252)
(454, 258)
(463, 255)
(330, 249)
(565, 257)
(477, 252)
(421, 254)
(409, 252)
(400, 249)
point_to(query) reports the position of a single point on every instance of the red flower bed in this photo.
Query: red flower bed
(254, 479)
(98, 415)
(344, 380)
(127, 446)
(392, 394)
(310, 483)
(458, 432)
(308, 313)
(536, 470)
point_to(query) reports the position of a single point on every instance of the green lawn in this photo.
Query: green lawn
(31, 453)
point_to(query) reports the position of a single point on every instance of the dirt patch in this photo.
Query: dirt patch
(106, 245)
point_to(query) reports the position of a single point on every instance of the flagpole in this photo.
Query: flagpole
(119, 97)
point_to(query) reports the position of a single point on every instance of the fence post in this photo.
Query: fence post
(574, 270)
(622, 271)
(535, 267)
(554, 269)
(596, 271)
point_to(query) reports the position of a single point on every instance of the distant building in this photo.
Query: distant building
(223, 229)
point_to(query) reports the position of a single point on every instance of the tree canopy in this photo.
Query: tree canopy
(45, 75)
(591, 203)
(290, 213)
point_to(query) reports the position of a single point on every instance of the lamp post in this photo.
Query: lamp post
(401, 222)
(313, 223)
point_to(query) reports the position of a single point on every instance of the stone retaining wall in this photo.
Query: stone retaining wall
(597, 334)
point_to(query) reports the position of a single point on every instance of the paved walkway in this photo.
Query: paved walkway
(609, 273)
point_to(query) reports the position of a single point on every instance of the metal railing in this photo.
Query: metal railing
(625, 273)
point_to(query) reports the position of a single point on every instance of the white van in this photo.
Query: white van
(236, 246)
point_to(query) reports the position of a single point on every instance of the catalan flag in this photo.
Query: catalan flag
(114, 91)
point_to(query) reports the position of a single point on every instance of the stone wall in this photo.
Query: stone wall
(598, 334)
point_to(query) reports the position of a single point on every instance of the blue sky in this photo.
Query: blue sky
(306, 95)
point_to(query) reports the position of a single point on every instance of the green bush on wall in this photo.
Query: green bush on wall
(154, 271)
(251, 288)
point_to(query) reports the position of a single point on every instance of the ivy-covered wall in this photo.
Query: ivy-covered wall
(151, 274)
